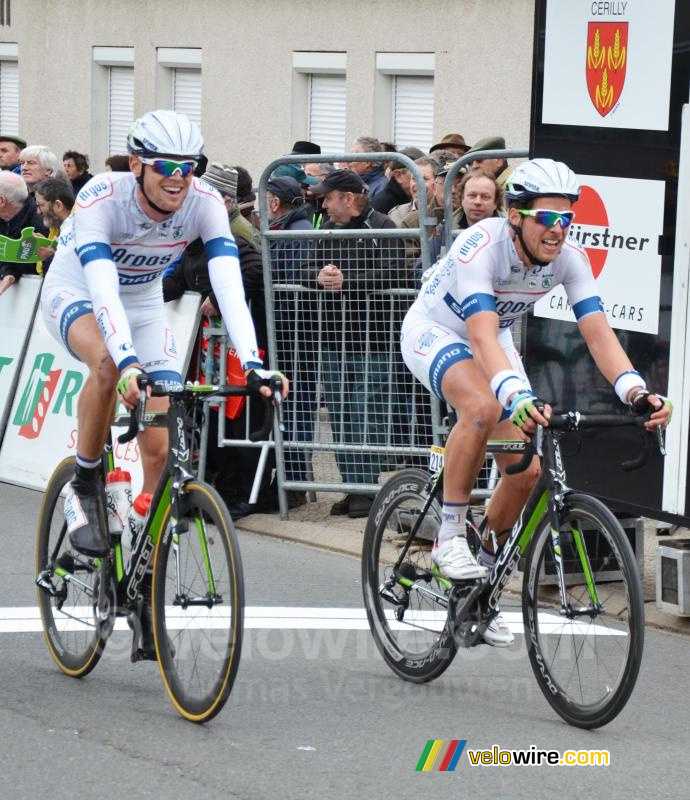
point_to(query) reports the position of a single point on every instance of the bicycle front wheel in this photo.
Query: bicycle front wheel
(407, 614)
(67, 584)
(198, 604)
(585, 656)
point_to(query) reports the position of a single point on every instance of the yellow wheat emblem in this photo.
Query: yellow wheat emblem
(604, 93)
(616, 56)
(596, 55)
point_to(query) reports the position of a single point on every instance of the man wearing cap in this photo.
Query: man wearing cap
(451, 141)
(497, 166)
(352, 277)
(398, 189)
(302, 148)
(226, 180)
(10, 148)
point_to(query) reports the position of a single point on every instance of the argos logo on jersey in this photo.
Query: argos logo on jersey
(472, 242)
(94, 191)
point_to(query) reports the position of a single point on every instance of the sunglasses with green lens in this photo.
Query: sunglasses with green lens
(168, 168)
(543, 216)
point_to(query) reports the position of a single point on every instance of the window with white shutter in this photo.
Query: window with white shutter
(120, 107)
(413, 111)
(187, 93)
(327, 97)
(9, 97)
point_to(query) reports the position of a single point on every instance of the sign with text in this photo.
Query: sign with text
(618, 221)
(42, 425)
(16, 313)
(608, 63)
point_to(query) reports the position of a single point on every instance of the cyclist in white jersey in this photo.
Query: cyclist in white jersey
(102, 297)
(456, 340)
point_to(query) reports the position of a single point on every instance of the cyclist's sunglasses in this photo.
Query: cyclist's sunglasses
(549, 218)
(164, 166)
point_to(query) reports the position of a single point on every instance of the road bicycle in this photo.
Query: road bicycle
(582, 604)
(196, 588)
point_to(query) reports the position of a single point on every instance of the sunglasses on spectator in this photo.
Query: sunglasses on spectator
(548, 218)
(167, 168)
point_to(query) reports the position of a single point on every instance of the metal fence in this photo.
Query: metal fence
(354, 413)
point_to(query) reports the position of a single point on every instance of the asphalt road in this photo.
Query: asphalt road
(314, 712)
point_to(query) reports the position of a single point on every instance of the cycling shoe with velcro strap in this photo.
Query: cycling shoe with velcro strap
(83, 514)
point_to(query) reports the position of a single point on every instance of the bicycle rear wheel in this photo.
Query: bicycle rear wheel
(408, 617)
(586, 665)
(68, 590)
(198, 604)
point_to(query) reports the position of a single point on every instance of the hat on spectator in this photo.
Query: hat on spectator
(444, 169)
(223, 178)
(294, 171)
(21, 144)
(342, 180)
(287, 190)
(306, 148)
(488, 143)
(451, 140)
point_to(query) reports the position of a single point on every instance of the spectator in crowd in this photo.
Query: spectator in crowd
(10, 148)
(497, 166)
(38, 163)
(231, 182)
(427, 167)
(303, 148)
(397, 190)
(17, 211)
(356, 361)
(480, 197)
(451, 141)
(54, 200)
(76, 166)
(117, 164)
(371, 172)
(231, 469)
(295, 320)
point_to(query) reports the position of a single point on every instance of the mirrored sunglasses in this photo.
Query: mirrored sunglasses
(549, 218)
(168, 168)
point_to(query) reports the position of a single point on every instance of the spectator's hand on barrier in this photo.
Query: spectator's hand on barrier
(330, 277)
(6, 282)
(208, 309)
(127, 388)
(258, 375)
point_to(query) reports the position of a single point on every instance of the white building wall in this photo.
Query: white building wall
(483, 63)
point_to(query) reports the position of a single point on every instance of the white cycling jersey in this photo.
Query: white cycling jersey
(110, 252)
(483, 272)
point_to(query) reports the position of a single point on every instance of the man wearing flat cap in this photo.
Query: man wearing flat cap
(354, 278)
(496, 166)
(10, 148)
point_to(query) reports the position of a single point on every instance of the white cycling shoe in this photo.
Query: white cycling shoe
(497, 633)
(455, 561)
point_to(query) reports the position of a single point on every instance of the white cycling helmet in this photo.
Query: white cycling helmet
(541, 177)
(165, 134)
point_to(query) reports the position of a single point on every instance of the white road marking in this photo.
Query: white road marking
(27, 619)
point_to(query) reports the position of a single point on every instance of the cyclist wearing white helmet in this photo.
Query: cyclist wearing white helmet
(102, 298)
(456, 340)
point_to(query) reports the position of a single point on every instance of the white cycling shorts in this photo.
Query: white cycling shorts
(429, 349)
(153, 339)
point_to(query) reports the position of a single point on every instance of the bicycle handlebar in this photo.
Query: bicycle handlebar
(574, 420)
(188, 391)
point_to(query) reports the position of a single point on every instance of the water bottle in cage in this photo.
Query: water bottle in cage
(118, 493)
(135, 524)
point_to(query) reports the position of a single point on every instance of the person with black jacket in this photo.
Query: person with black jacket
(17, 211)
(360, 324)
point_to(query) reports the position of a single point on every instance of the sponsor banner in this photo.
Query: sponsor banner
(16, 312)
(42, 425)
(618, 221)
(608, 63)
